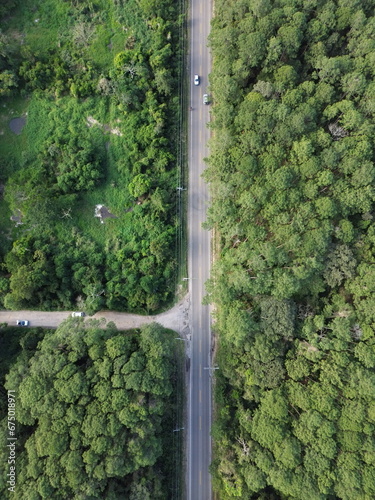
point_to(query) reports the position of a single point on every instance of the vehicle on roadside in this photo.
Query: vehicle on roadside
(78, 314)
(22, 322)
(206, 99)
(197, 80)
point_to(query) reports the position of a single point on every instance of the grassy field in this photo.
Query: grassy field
(45, 24)
(43, 119)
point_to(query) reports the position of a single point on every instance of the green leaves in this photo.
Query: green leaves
(82, 429)
(139, 185)
(292, 175)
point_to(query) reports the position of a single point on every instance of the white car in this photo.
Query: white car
(205, 99)
(197, 80)
(78, 314)
(22, 322)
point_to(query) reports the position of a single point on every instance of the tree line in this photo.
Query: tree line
(95, 412)
(292, 176)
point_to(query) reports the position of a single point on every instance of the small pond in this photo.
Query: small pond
(16, 124)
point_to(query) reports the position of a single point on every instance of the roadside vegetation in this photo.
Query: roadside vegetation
(97, 85)
(95, 412)
(293, 182)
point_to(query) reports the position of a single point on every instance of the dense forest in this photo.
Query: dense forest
(293, 183)
(95, 412)
(96, 83)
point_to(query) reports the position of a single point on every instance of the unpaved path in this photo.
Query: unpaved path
(176, 318)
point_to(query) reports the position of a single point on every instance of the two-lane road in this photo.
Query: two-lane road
(199, 415)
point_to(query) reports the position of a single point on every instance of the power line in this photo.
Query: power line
(180, 182)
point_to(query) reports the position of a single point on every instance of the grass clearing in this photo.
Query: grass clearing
(44, 118)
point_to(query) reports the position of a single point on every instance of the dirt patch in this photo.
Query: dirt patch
(90, 121)
(103, 213)
(176, 318)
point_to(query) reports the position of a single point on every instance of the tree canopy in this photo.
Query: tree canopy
(292, 175)
(95, 412)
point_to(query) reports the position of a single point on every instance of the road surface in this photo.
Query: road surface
(199, 406)
(175, 319)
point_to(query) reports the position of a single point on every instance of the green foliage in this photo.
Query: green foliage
(38, 263)
(292, 170)
(102, 110)
(74, 163)
(81, 427)
(7, 6)
(8, 81)
(139, 185)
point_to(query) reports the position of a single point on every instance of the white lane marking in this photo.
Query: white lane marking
(200, 395)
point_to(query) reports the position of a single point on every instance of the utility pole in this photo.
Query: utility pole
(211, 369)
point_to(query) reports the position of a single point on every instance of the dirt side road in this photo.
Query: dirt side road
(176, 318)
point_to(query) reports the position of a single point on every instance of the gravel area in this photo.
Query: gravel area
(176, 318)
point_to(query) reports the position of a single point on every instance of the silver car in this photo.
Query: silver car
(22, 322)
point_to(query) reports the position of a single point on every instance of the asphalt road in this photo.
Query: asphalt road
(199, 414)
